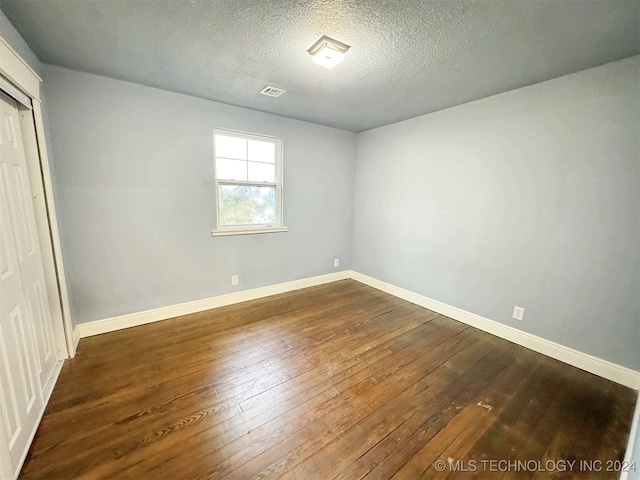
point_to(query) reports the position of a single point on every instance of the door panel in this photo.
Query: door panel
(27, 354)
(45, 361)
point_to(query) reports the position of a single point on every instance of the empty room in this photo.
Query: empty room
(319, 239)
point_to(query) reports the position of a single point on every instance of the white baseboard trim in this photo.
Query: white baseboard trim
(97, 327)
(603, 368)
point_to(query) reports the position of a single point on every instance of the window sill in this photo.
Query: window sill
(249, 231)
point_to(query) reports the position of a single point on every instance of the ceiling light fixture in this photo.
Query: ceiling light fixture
(328, 52)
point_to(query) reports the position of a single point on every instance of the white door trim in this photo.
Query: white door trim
(22, 76)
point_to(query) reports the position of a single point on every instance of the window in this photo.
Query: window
(248, 183)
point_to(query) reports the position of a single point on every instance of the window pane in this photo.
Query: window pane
(231, 169)
(262, 172)
(247, 205)
(231, 147)
(262, 151)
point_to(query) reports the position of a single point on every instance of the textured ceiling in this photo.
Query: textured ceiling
(408, 57)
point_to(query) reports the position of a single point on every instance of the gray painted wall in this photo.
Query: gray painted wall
(133, 179)
(527, 198)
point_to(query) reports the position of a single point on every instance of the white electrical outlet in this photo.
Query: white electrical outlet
(518, 313)
(234, 279)
(336, 262)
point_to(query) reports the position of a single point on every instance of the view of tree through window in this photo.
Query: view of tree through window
(245, 205)
(247, 175)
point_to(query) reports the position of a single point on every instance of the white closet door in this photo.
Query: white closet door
(27, 354)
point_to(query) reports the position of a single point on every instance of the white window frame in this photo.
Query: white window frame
(278, 226)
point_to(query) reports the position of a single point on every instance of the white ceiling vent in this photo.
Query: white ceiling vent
(270, 91)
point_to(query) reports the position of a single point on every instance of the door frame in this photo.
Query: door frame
(14, 69)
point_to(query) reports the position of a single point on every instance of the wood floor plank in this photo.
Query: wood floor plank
(345, 411)
(453, 413)
(181, 423)
(327, 396)
(103, 407)
(339, 380)
(520, 412)
(358, 439)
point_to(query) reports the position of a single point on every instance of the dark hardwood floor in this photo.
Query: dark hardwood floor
(335, 381)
